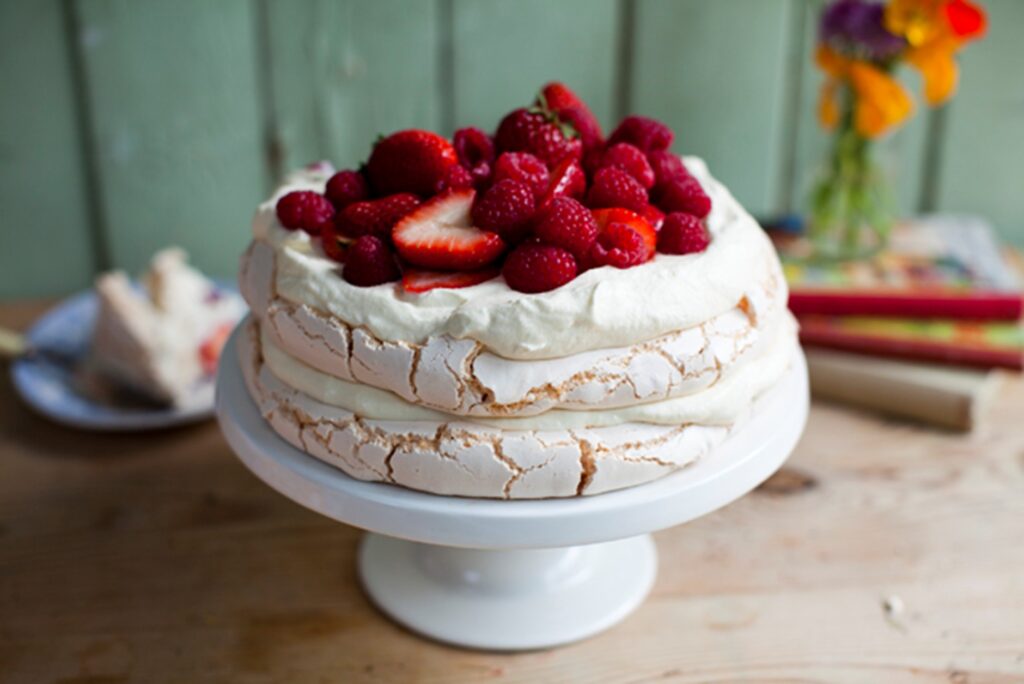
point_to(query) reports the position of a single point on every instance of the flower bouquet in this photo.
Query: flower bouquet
(860, 45)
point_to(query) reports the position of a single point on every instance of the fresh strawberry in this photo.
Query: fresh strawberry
(440, 235)
(684, 194)
(370, 262)
(538, 133)
(613, 187)
(567, 179)
(346, 187)
(654, 216)
(475, 151)
(683, 234)
(409, 161)
(415, 280)
(568, 224)
(557, 98)
(375, 217)
(455, 178)
(645, 133)
(505, 208)
(624, 239)
(304, 210)
(523, 167)
(631, 160)
(536, 267)
(334, 244)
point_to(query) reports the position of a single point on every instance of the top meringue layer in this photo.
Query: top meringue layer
(601, 308)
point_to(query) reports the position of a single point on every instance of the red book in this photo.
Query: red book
(937, 266)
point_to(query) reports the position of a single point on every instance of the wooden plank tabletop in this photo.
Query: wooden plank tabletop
(882, 552)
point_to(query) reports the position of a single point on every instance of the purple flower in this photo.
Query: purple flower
(856, 28)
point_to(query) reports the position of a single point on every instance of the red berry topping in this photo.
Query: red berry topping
(375, 217)
(525, 168)
(567, 223)
(647, 134)
(334, 244)
(557, 98)
(506, 209)
(370, 262)
(685, 194)
(455, 178)
(536, 267)
(440, 235)
(631, 160)
(683, 234)
(473, 147)
(654, 216)
(567, 179)
(624, 239)
(538, 133)
(346, 187)
(666, 166)
(409, 161)
(305, 210)
(613, 187)
(414, 280)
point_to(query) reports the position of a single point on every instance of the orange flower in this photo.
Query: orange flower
(880, 102)
(935, 30)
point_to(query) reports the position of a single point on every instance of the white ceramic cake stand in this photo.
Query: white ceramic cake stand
(513, 575)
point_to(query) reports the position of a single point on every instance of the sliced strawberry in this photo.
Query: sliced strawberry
(440, 235)
(624, 239)
(568, 179)
(415, 280)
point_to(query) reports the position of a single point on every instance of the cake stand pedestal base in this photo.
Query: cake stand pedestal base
(507, 599)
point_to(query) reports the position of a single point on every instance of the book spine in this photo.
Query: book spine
(992, 306)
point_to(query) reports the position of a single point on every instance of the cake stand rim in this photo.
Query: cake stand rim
(748, 456)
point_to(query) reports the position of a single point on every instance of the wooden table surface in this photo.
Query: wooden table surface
(882, 552)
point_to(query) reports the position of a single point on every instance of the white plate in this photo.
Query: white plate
(48, 388)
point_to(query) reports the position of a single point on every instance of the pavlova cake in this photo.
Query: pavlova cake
(539, 313)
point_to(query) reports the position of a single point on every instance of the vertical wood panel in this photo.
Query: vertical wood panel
(901, 153)
(43, 209)
(177, 126)
(982, 159)
(505, 51)
(343, 72)
(717, 73)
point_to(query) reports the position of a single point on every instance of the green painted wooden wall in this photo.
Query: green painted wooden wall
(125, 126)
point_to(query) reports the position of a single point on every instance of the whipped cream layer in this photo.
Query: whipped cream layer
(603, 307)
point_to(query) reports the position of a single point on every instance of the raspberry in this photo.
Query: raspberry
(455, 178)
(506, 209)
(683, 234)
(618, 245)
(654, 216)
(613, 187)
(375, 217)
(525, 168)
(370, 262)
(346, 187)
(538, 133)
(473, 147)
(306, 210)
(647, 134)
(567, 223)
(685, 194)
(631, 160)
(666, 167)
(536, 267)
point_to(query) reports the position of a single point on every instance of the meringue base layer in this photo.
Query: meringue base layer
(456, 456)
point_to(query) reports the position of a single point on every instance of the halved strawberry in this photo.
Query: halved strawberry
(624, 239)
(567, 178)
(415, 280)
(440, 234)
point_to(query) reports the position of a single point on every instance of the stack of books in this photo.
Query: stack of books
(916, 330)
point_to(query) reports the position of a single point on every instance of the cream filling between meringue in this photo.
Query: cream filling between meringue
(720, 404)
